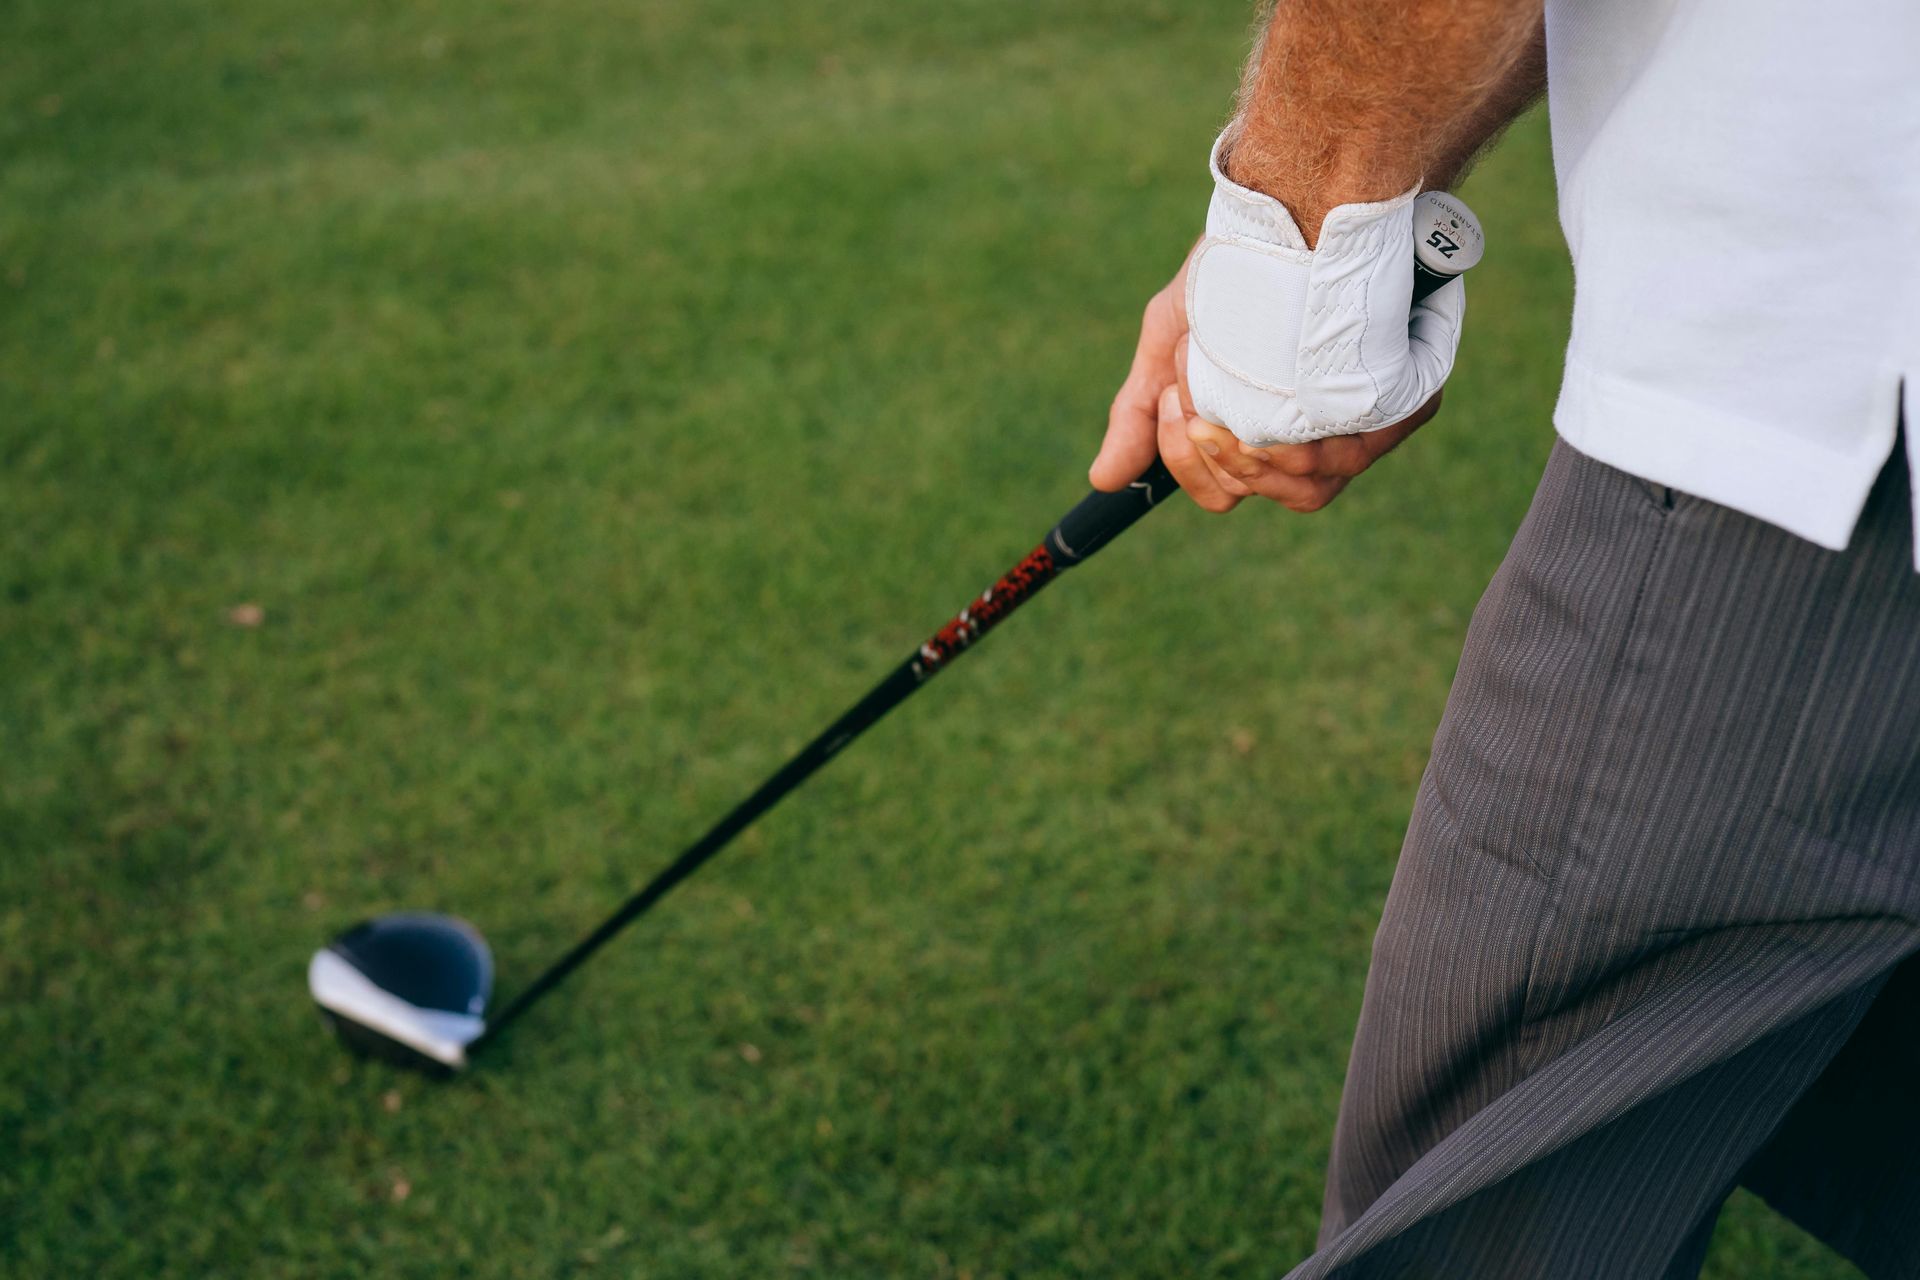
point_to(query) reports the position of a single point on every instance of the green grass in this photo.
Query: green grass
(595, 398)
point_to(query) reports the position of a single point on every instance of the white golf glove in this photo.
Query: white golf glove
(1289, 344)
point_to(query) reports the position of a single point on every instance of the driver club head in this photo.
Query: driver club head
(410, 988)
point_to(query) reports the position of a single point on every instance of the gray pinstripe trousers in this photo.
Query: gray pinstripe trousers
(1646, 938)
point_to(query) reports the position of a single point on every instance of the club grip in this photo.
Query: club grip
(1425, 281)
(1100, 517)
(1447, 241)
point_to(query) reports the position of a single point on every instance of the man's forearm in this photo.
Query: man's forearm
(1350, 100)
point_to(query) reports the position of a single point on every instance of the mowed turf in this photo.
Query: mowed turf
(589, 400)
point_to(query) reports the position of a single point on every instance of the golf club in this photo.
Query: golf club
(413, 987)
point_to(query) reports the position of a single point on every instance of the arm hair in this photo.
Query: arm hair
(1352, 100)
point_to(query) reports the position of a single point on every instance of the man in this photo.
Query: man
(1646, 938)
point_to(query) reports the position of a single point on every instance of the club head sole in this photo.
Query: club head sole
(363, 1041)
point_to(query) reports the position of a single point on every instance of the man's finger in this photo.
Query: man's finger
(1218, 459)
(1299, 493)
(1295, 459)
(1180, 380)
(1221, 449)
(1347, 455)
(1129, 446)
(1163, 326)
(1198, 431)
(1188, 467)
(1225, 479)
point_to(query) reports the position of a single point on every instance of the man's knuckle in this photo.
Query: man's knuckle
(1308, 500)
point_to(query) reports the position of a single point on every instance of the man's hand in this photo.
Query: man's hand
(1150, 414)
(1153, 414)
(1302, 477)
(1346, 101)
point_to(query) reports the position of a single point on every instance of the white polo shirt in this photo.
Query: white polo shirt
(1740, 187)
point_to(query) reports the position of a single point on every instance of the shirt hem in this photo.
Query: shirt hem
(1785, 480)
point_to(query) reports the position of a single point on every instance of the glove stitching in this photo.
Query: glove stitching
(1366, 321)
(1231, 371)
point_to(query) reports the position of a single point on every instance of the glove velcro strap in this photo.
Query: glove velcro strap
(1246, 305)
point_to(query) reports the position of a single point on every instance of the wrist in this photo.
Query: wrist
(1311, 180)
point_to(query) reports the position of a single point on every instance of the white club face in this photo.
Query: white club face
(1446, 235)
